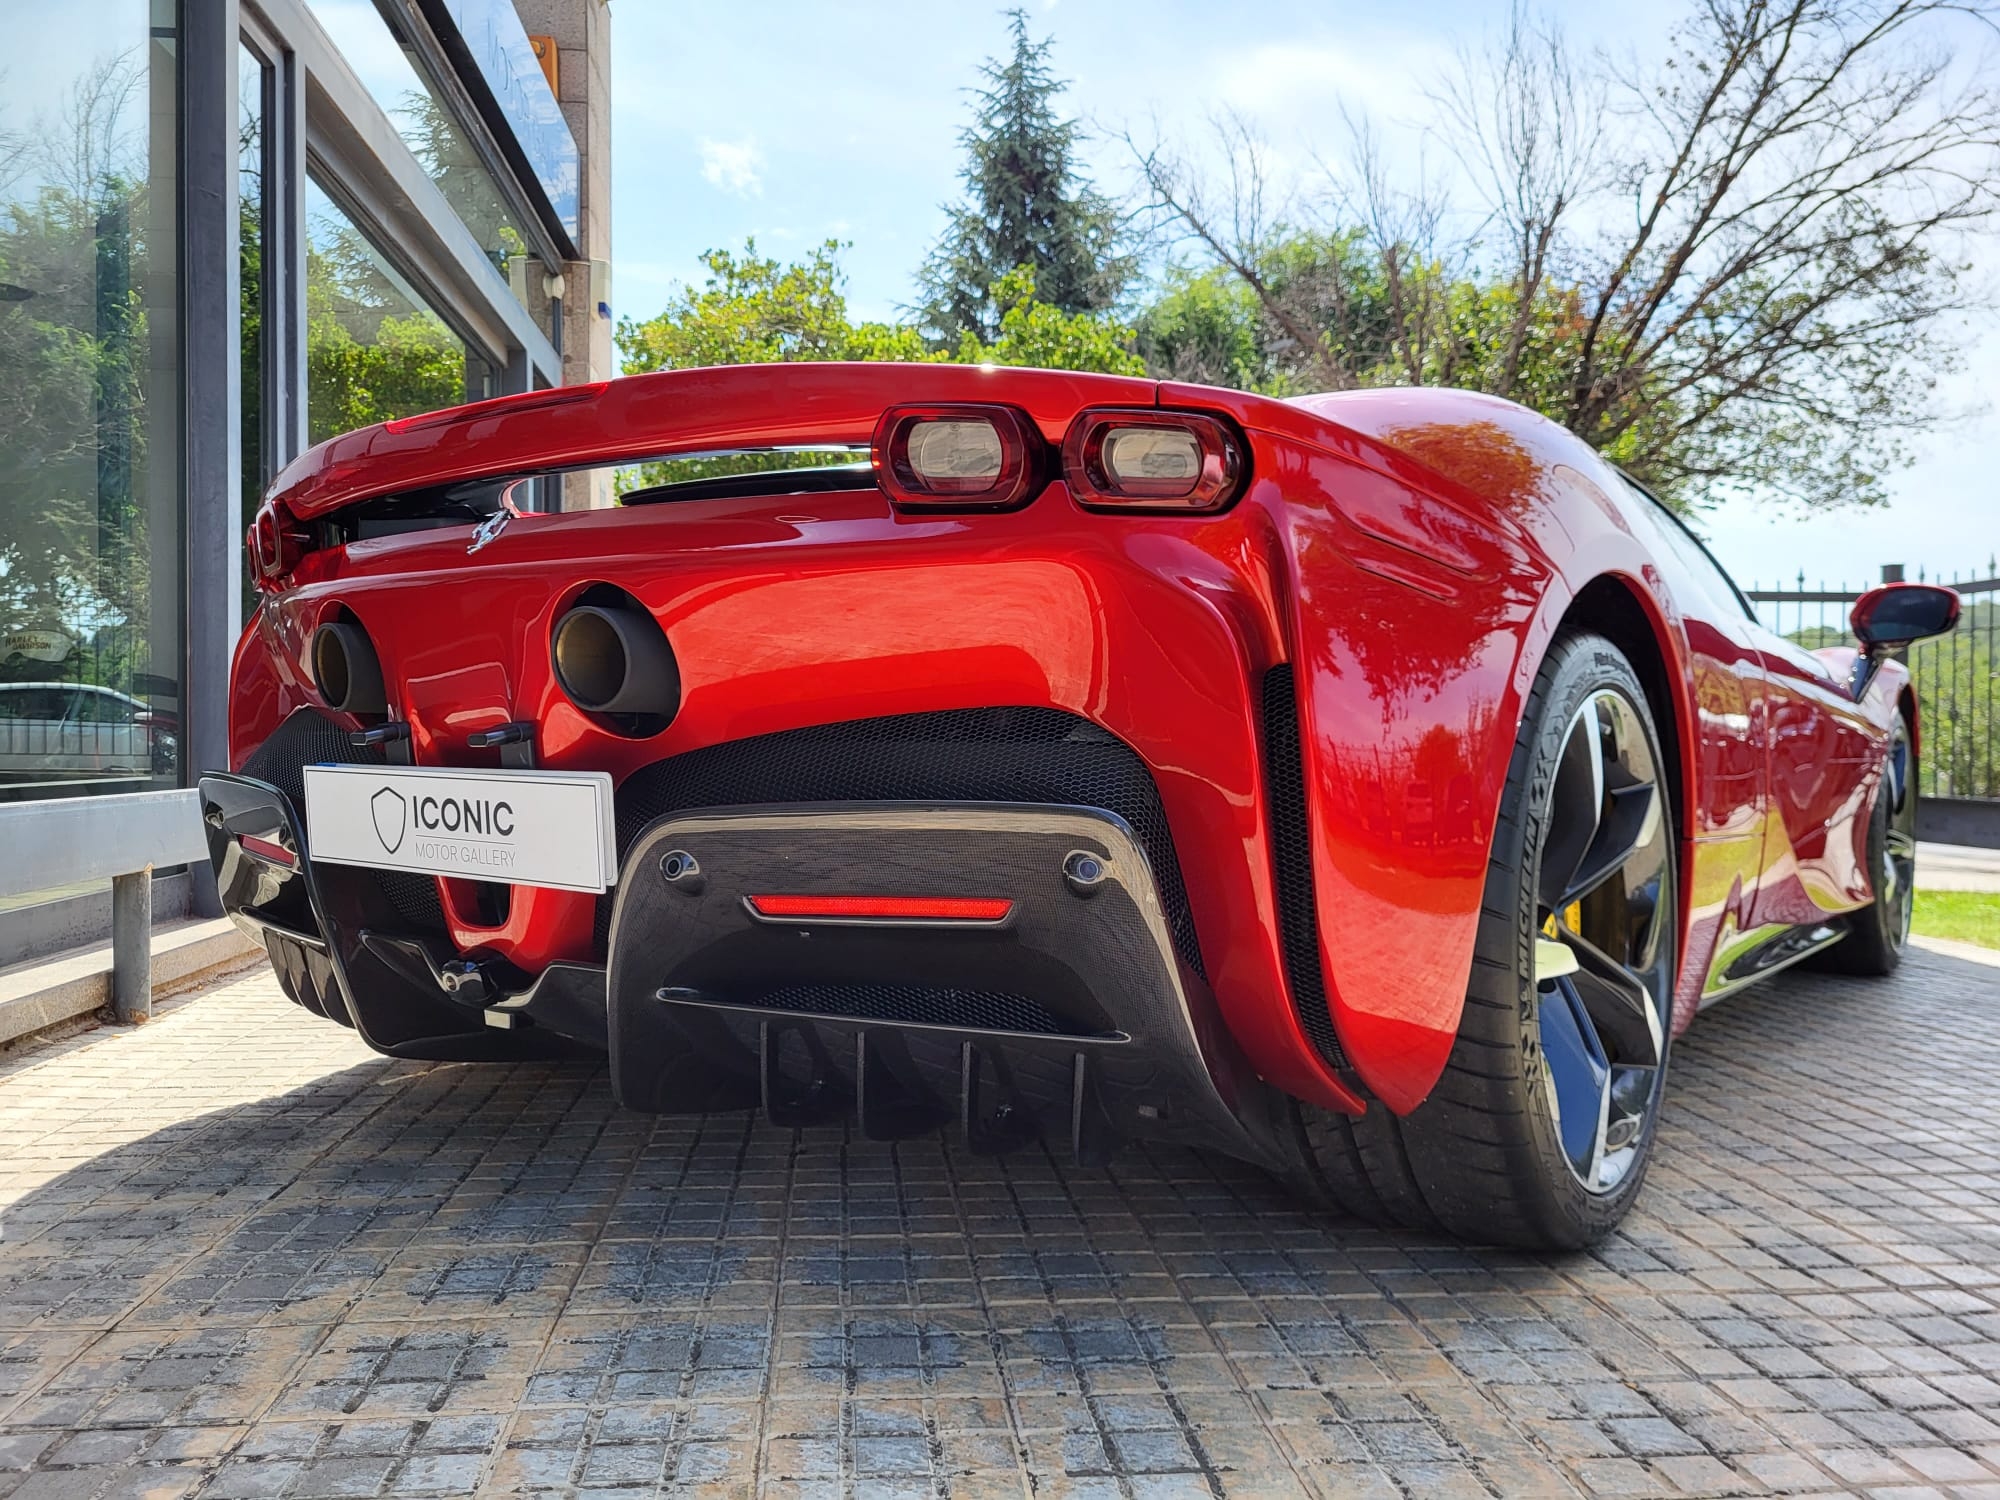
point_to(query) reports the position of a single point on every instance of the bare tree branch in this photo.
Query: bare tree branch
(1733, 267)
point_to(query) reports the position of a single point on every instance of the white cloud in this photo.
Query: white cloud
(1309, 82)
(734, 166)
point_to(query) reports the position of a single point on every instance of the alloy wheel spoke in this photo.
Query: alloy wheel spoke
(1631, 1091)
(1604, 898)
(1577, 1076)
(1575, 801)
(1642, 910)
(1618, 1004)
(1628, 825)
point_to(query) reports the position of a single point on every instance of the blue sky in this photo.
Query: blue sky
(798, 122)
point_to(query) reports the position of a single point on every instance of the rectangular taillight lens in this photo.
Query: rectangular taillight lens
(275, 546)
(1153, 460)
(957, 457)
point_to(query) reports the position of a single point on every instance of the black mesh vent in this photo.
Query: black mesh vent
(1291, 848)
(978, 1009)
(308, 738)
(961, 755)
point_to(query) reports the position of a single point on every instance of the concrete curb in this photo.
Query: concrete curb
(36, 996)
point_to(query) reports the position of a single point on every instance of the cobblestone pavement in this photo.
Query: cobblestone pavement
(243, 1257)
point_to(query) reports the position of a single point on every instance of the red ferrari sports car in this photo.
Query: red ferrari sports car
(1369, 785)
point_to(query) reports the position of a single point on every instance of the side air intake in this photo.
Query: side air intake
(1291, 851)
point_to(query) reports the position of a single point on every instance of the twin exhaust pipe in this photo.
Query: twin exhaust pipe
(346, 669)
(614, 659)
(611, 660)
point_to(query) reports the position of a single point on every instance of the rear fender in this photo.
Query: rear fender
(1420, 610)
(1411, 669)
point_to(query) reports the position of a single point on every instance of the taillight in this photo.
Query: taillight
(276, 853)
(274, 549)
(956, 457)
(1152, 460)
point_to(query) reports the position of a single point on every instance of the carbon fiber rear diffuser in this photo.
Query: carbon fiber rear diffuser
(1072, 1014)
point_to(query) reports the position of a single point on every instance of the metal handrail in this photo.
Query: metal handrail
(123, 838)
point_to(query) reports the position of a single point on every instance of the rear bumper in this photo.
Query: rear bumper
(1073, 1015)
(1157, 636)
(344, 949)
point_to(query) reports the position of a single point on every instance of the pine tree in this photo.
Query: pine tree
(1026, 204)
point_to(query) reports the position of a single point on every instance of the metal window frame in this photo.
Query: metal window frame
(284, 371)
(318, 115)
(356, 153)
(437, 68)
(211, 342)
(320, 119)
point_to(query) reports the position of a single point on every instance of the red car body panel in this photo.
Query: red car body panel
(1412, 554)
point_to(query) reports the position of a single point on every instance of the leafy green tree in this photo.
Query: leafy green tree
(1206, 326)
(1312, 310)
(1737, 268)
(754, 309)
(370, 357)
(76, 272)
(1957, 679)
(1027, 203)
(1042, 336)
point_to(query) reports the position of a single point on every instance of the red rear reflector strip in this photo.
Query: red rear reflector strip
(884, 908)
(277, 854)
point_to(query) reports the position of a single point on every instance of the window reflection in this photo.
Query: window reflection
(387, 67)
(90, 530)
(253, 215)
(374, 350)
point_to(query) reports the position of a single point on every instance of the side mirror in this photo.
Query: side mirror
(1898, 613)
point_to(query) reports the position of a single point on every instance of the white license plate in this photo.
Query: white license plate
(550, 828)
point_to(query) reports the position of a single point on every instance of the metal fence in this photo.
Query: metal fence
(1957, 676)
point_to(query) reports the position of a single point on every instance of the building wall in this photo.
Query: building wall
(582, 32)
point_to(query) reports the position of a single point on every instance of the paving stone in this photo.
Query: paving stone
(315, 1272)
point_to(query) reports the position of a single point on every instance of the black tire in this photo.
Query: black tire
(1876, 934)
(1483, 1157)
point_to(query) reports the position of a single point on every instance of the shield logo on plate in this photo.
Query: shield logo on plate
(391, 814)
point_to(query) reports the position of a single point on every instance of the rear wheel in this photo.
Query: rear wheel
(1876, 933)
(1540, 1129)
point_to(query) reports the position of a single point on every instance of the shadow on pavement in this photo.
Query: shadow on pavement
(407, 1278)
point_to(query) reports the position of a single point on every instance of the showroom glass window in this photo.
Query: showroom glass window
(374, 350)
(91, 555)
(254, 80)
(389, 68)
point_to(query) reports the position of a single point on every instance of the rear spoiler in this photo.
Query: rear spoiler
(655, 416)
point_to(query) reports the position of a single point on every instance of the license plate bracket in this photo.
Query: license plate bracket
(517, 827)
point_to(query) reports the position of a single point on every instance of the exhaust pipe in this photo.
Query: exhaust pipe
(346, 670)
(616, 660)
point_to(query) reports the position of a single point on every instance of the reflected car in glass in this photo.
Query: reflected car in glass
(63, 733)
(1370, 785)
